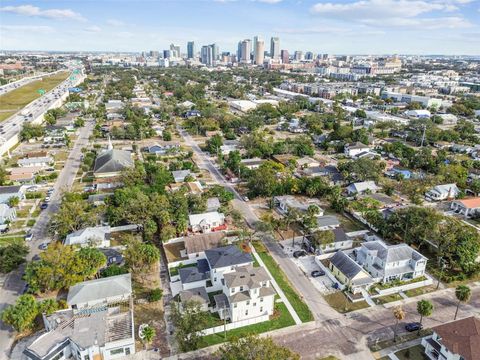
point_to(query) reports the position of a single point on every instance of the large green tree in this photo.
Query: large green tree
(22, 314)
(188, 322)
(11, 256)
(252, 347)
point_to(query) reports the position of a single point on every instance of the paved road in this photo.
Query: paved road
(14, 284)
(16, 84)
(320, 309)
(345, 336)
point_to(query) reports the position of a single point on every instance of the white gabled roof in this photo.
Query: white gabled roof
(209, 217)
(113, 286)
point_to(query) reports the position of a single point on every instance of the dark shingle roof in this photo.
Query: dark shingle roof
(112, 161)
(194, 274)
(227, 256)
(9, 189)
(345, 264)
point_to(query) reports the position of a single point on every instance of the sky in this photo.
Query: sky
(450, 27)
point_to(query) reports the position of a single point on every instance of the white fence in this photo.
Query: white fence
(405, 287)
(235, 325)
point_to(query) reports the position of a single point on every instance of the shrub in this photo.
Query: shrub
(155, 295)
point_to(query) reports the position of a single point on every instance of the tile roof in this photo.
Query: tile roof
(471, 203)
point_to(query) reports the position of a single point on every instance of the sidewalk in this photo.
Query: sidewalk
(398, 347)
(277, 288)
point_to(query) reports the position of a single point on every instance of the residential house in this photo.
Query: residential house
(287, 202)
(180, 175)
(192, 187)
(418, 114)
(341, 241)
(7, 214)
(8, 192)
(247, 293)
(349, 273)
(199, 295)
(456, 340)
(98, 236)
(112, 162)
(355, 149)
(162, 149)
(252, 164)
(398, 172)
(229, 146)
(206, 222)
(467, 207)
(192, 114)
(213, 204)
(443, 192)
(114, 106)
(390, 262)
(307, 162)
(362, 187)
(209, 271)
(327, 222)
(97, 325)
(329, 172)
(39, 159)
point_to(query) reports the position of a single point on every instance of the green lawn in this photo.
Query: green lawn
(342, 304)
(16, 99)
(280, 319)
(419, 291)
(298, 304)
(10, 240)
(387, 298)
(413, 353)
(31, 222)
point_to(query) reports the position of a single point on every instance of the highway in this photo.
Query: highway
(16, 84)
(13, 125)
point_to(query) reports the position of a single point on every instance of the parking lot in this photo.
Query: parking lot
(307, 264)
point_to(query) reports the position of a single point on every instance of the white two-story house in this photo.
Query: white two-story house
(390, 262)
(247, 293)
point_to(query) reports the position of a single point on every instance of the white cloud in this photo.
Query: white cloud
(453, 22)
(115, 22)
(270, 1)
(30, 10)
(28, 28)
(93, 29)
(379, 8)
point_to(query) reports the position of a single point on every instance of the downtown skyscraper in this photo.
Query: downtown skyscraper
(259, 52)
(190, 50)
(275, 47)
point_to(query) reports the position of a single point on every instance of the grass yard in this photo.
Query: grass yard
(342, 304)
(386, 299)
(419, 291)
(280, 319)
(298, 304)
(412, 353)
(31, 222)
(15, 100)
(10, 240)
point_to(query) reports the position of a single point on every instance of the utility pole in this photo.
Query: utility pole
(423, 135)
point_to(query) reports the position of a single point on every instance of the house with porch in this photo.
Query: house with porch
(206, 222)
(390, 262)
(287, 202)
(350, 274)
(443, 192)
(466, 207)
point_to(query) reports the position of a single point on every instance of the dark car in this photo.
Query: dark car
(43, 206)
(299, 253)
(414, 326)
(43, 246)
(317, 273)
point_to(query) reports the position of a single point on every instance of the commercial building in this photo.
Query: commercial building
(275, 48)
(259, 52)
(246, 50)
(190, 49)
(285, 56)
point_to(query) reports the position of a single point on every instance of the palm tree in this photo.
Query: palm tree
(399, 315)
(463, 294)
(148, 334)
(424, 308)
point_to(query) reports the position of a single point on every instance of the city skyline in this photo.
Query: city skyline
(447, 27)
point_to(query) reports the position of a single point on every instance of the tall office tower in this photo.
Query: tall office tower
(239, 51)
(167, 54)
(285, 57)
(246, 50)
(308, 55)
(298, 55)
(274, 47)
(254, 49)
(215, 52)
(190, 50)
(259, 52)
(154, 53)
(175, 50)
(206, 55)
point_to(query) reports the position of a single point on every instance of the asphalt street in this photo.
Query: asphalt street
(14, 285)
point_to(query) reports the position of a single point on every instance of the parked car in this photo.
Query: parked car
(43, 206)
(414, 326)
(246, 199)
(29, 237)
(317, 273)
(43, 246)
(47, 199)
(299, 253)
